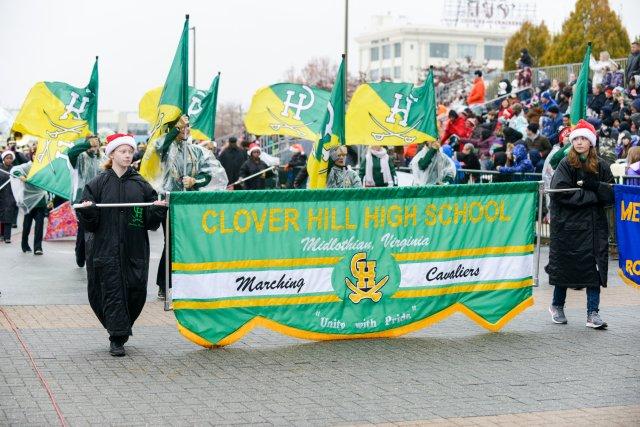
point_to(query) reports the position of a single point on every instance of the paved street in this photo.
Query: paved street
(454, 373)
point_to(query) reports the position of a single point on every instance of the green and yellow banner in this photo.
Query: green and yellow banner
(388, 113)
(288, 109)
(338, 264)
(60, 115)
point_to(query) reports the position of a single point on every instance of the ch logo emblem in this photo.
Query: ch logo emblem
(364, 272)
(300, 106)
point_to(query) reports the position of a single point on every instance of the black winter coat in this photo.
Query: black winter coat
(118, 247)
(231, 160)
(251, 167)
(8, 207)
(579, 248)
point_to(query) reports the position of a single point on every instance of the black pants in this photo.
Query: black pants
(160, 277)
(6, 230)
(37, 215)
(80, 246)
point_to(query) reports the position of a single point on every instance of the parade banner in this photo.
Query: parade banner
(627, 210)
(60, 115)
(388, 113)
(350, 263)
(288, 109)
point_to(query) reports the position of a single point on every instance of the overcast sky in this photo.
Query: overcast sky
(252, 42)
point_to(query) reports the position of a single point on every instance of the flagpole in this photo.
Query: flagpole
(194, 57)
(185, 103)
(346, 39)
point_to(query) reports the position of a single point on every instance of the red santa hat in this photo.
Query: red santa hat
(586, 129)
(297, 148)
(253, 147)
(564, 133)
(117, 139)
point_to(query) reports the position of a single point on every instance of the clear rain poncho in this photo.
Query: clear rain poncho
(87, 167)
(173, 166)
(219, 180)
(440, 168)
(27, 196)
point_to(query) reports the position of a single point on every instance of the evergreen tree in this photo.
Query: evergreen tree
(535, 38)
(592, 20)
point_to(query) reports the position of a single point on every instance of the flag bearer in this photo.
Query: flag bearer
(118, 246)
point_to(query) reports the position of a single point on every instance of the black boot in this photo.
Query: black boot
(116, 348)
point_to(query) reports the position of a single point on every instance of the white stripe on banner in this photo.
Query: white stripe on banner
(257, 283)
(262, 283)
(463, 270)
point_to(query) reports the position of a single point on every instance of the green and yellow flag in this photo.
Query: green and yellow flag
(288, 109)
(59, 115)
(201, 111)
(173, 102)
(580, 90)
(333, 134)
(388, 113)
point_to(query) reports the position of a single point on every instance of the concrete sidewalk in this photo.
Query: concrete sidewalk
(453, 373)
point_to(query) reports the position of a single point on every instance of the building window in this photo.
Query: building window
(493, 52)
(374, 75)
(397, 72)
(386, 51)
(386, 73)
(467, 51)
(397, 50)
(375, 53)
(439, 50)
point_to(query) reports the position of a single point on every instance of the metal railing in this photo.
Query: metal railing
(560, 72)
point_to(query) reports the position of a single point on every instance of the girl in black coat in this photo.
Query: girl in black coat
(118, 244)
(579, 248)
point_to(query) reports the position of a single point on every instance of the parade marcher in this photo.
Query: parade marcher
(578, 252)
(232, 158)
(431, 166)
(296, 163)
(86, 159)
(252, 166)
(33, 203)
(341, 175)
(219, 179)
(8, 207)
(118, 246)
(377, 169)
(174, 148)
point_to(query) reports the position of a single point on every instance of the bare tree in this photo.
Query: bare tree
(321, 73)
(229, 120)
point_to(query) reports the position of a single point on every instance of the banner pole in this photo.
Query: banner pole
(536, 276)
(167, 258)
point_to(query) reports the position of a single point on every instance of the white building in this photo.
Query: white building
(400, 51)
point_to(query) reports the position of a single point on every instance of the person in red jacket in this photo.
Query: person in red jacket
(476, 96)
(457, 125)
